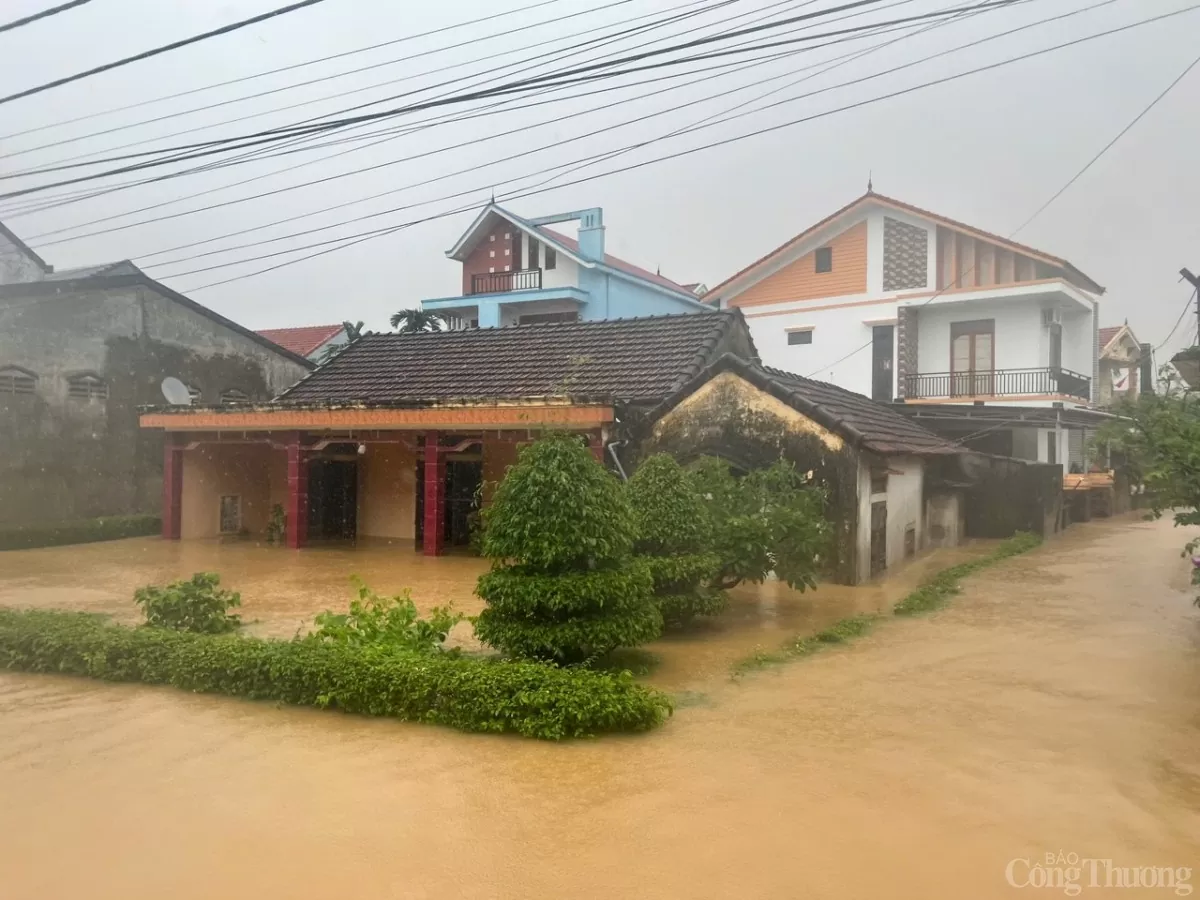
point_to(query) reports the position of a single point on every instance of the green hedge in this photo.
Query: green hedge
(934, 593)
(463, 692)
(86, 531)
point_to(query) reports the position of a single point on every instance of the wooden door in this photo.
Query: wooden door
(878, 537)
(972, 357)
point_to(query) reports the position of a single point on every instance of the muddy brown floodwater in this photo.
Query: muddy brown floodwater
(1054, 707)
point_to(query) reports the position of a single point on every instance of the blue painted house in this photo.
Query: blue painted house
(518, 271)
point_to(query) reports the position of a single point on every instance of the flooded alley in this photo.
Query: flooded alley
(1055, 706)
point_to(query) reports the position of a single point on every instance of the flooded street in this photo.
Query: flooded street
(1054, 707)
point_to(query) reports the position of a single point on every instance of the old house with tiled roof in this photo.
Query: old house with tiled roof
(80, 350)
(400, 436)
(519, 271)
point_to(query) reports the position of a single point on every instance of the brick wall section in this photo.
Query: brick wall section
(906, 347)
(502, 237)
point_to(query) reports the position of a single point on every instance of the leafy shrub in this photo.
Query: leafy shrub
(673, 533)
(463, 692)
(389, 621)
(108, 528)
(770, 520)
(562, 585)
(197, 605)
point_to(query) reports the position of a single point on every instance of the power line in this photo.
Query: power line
(350, 240)
(300, 84)
(396, 132)
(435, 151)
(166, 48)
(287, 131)
(591, 43)
(1061, 190)
(45, 13)
(1195, 296)
(271, 135)
(572, 165)
(299, 65)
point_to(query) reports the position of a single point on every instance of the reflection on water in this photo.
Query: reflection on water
(1055, 706)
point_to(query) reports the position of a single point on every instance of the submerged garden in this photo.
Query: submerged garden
(583, 567)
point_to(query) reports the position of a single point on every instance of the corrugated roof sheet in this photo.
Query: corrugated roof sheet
(302, 340)
(121, 267)
(642, 359)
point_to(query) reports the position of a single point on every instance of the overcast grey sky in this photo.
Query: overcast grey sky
(988, 149)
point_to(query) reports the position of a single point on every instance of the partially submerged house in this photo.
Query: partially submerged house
(80, 351)
(401, 435)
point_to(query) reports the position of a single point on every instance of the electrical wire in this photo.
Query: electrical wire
(436, 151)
(278, 134)
(556, 77)
(353, 239)
(596, 42)
(158, 51)
(288, 68)
(575, 164)
(1195, 297)
(299, 84)
(45, 13)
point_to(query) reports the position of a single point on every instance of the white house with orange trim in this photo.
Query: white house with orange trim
(899, 303)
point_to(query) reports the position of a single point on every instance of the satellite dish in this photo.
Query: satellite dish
(176, 392)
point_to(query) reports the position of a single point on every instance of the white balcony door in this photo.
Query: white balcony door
(972, 357)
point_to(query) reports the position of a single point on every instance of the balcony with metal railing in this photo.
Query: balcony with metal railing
(502, 282)
(1048, 381)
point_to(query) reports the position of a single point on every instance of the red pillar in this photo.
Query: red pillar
(435, 496)
(596, 444)
(297, 497)
(172, 502)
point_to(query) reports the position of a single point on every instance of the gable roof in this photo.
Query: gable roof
(634, 360)
(126, 274)
(873, 426)
(1110, 334)
(25, 248)
(302, 340)
(870, 197)
(569, 247)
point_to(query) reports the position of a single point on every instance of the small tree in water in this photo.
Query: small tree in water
(770, 520)
(673, 534)
(563, 586)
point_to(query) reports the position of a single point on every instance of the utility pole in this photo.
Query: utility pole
(1195, 282)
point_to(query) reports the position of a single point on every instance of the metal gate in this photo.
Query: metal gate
(878, 537)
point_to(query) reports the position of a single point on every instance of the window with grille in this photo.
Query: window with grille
(233, 395)
(16, 381)
(87, 387)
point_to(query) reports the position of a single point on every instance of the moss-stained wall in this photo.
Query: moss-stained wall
(731, 419)
(63, 458)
